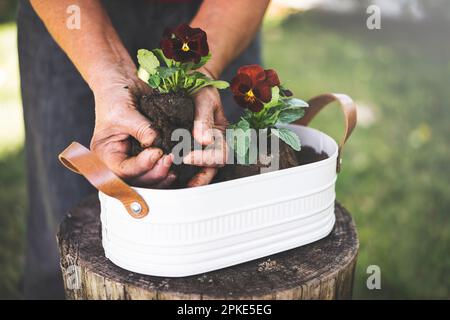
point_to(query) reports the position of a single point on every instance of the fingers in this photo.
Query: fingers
(156, 174)
(209, 158)
(202, 178)
(140, 164)
(213, 155)
(167, 182)
(208, 115)
(115, 155)
(117, 118)
(139, 89)
(220, 121)
(203, 123)
(140, 128)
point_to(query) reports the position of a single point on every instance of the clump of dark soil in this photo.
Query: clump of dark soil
(166, 113)
(288, 158)
(309, 155)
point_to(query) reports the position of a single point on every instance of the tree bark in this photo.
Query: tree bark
(321, 270)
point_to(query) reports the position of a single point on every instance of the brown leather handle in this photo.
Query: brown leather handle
(348, 108)
(81, 160)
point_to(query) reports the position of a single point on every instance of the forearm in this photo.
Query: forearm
(95, 49)
(230, 25)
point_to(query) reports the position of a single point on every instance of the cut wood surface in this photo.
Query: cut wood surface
(321, 270)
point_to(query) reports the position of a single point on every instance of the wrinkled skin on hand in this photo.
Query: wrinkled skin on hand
(118, 119)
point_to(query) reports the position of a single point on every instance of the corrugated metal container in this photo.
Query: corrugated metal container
(195, 230)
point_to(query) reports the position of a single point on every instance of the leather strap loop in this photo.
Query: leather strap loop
(81, 160)
(348, 108)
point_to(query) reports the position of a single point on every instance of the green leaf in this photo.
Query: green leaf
(197, 75)
(275, 94)
(148, 61)
(162, 58)
(287, 136)
(154, 81)
(193, 66)
(203, 61)
(166, 72)
(283, 88)
(241, 139)
(143, 75)
(289, 115)
(219, 84)
(189, 81)
(294, 102)
(241, 124)
(242, 143)
(275, 98)
(201, 81)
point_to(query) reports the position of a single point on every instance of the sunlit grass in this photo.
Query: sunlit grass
(395, 170)
(395, 177)
(12, 173)
(11, 128)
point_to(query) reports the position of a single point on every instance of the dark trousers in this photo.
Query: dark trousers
(59, 108)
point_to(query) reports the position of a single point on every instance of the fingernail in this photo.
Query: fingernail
(167, 160)
(156, 154)
(207, 137)
(193, 183)
(171, 176)
(188, 159)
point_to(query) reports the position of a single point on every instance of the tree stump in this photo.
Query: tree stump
(321, 270)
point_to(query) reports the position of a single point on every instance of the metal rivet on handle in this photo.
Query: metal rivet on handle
(136, 207)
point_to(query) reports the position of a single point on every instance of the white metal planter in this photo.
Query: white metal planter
(190, 231)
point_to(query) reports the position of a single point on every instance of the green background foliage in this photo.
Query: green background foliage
(395, 176)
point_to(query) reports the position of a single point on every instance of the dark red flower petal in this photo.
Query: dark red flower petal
(252, 86)
(176, 38)
(199, 43)
(183, 57)
(254, 105)
(254, 71)
(168, 32)
(263, 92)
(196, 58)
(183, 31)
(272, 78)
(241, 84)
(168, 48)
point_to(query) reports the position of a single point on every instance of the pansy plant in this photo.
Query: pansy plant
(172, 67)
(267, 104)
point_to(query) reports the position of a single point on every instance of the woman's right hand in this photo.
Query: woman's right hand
(116, 120)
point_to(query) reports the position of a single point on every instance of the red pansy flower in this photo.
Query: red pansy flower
(184, 44)
(252, 86)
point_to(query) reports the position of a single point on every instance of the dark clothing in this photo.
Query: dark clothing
(59, 108)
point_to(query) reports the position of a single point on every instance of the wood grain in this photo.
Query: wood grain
(321, 270)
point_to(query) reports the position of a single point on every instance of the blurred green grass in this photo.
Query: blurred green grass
(12, 171)
(395, 177)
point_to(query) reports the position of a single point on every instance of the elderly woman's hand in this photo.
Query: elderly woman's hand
(209, 127)
(117, 119)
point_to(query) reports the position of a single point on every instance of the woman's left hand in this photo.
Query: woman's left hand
(209, 130)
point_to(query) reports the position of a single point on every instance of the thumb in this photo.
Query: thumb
(140, 128)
